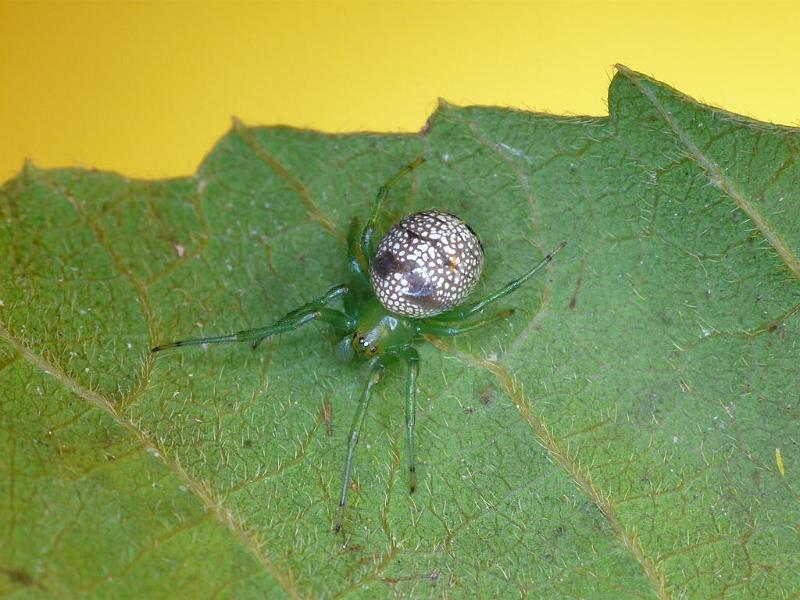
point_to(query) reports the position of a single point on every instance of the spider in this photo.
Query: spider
(412, 284)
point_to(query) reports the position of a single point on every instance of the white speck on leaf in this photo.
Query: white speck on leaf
(514, 151)
(180, 250)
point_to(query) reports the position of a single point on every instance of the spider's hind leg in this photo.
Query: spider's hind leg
(467, 310)
(447, 328)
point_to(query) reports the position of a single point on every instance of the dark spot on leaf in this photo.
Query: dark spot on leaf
(327, 416)
(574, 301)
(506, 313)
(19, 576)
(486, 394)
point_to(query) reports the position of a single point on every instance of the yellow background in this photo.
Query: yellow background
(146, 89)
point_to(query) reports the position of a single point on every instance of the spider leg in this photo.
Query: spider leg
(447, 329)
(356, 268)
(367, 243)
(291, 320)
(375, 375)
(412, 361)
(462, 312)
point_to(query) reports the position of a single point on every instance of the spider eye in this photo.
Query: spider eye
(373, 350)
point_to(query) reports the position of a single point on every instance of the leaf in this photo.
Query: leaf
(616, 437)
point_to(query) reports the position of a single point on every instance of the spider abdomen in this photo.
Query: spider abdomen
(427, 263)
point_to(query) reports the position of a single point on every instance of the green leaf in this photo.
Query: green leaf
(632, 430)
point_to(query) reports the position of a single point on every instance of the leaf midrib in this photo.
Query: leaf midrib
(716, 176)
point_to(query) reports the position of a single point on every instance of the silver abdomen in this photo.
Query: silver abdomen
(426, 264)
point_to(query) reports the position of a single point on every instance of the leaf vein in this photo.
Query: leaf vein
(314, 212)
(138, 286)
(579, 475)
(717, 178)
(201, 489)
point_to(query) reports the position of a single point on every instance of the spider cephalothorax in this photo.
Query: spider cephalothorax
(412, 284)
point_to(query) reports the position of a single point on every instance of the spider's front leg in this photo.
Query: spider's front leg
(367, 243)
(375, 374)
(412, 361)
(353, 259)
(290, 321)
(411, 358)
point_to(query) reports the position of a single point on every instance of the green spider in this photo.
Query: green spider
(411, 285)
